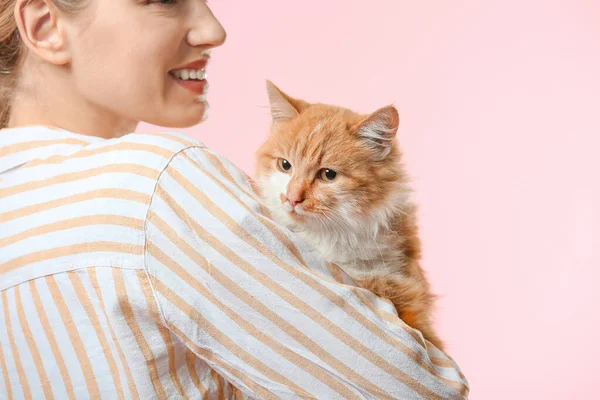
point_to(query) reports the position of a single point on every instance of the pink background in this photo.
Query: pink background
(500, 123)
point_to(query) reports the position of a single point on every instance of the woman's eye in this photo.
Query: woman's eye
(284, 165)
(328, 175)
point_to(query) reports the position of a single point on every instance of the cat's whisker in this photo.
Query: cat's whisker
(337, 227)
(331, 224)
(401, 211)
(380, 253)
(345, 232)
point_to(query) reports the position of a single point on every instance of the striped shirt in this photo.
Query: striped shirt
(147, 267)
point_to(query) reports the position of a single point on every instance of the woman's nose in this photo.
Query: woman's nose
(207, 31)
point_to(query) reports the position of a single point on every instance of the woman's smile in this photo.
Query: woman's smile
(192, 76)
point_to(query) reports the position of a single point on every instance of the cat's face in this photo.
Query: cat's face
(324, 165)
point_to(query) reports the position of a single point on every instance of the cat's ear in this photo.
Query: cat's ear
(283, 107)
(378, 130)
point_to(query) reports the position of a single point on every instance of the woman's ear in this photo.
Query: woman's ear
(41, 30)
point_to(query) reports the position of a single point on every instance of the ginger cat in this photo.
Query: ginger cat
(334, 177)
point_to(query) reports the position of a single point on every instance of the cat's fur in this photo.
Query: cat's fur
(363, 221)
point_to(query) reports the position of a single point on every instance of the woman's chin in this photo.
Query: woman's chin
(183, 117)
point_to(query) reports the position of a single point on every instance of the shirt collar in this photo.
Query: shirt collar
(23, 144)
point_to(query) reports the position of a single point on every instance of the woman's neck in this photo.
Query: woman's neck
(61, 108)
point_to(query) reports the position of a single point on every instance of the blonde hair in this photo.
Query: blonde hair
(12, 51)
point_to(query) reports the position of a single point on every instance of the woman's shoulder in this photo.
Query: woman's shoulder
(55, 162)
(52, 151)
(61, 163)
(171, 153)
(70, 201)
(144, 155)
(174, 147)
(165, 145)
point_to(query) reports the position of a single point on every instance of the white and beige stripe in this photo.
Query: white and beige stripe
(146, 267)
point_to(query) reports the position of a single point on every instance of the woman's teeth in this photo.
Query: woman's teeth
(190, 74)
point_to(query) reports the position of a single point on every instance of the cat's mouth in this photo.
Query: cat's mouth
(293, 211)
(296, 213)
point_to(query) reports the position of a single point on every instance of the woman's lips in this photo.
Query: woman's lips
(192, 76)
(194, 86)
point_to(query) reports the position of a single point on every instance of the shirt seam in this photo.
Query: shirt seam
(145, 250)
(149, 276)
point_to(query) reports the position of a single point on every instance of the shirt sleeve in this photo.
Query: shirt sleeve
(253, 300)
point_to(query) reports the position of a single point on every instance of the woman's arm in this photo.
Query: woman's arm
(248, 297)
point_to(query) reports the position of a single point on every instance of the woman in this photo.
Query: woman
(141, 266)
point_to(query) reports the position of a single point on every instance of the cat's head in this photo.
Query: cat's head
(324, 165)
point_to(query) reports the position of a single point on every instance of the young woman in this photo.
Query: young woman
(142, 266)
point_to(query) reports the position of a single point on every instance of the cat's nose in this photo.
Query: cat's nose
(296, 194)
(295, 198)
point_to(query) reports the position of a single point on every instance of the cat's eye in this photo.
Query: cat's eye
(284, 165)
(328, 175)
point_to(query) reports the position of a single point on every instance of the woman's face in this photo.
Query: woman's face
(137, 59)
